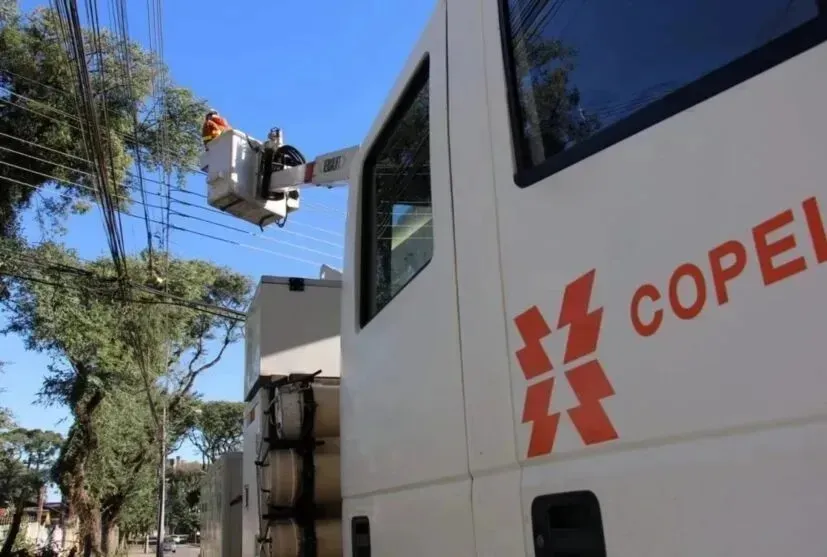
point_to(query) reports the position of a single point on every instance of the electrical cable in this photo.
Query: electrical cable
(78, 127)
(27, 259)
(70, 155)
(291, 156)
(91, 124)
(73, 117)
(123, 34)
(148, 205)
(129, 300)
(187, 230)
(173, 200)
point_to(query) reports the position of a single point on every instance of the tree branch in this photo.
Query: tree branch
(194, 372)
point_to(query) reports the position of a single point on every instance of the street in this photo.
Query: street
(182, 550)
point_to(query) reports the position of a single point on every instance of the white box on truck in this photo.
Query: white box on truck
(292, 327)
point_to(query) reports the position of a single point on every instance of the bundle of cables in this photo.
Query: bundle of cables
(273, 160)
(287, 155)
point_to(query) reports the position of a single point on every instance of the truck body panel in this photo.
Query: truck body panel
(582, 285)
(401, 381)
(639, 326)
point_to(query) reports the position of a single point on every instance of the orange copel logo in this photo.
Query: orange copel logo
(587, 379)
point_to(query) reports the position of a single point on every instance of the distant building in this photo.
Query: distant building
(46, 526)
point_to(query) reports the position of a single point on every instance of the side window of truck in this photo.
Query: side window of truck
(397, 230)
(585, 74)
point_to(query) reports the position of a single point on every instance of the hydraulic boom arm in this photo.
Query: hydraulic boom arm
(330, 169)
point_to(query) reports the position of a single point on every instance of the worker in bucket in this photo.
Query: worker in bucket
(213, 126)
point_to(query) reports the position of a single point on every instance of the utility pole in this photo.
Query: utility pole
(162, 487)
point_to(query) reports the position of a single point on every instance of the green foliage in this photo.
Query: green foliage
(76, 313)
(125, 429)
(217, 428)
(109, 351)
(27, 456)
(183, 497)
(8, 10)
(139, 511)
(26, 459)
(38, 104)
(6, 420)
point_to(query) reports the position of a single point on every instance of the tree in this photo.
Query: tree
(5, 414)
(217, 428)
(106, 341)
(26, 458)
(123, 465)
(184, 495)
(139, 511)
(39, 108)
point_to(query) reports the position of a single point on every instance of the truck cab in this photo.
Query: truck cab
(582, 302)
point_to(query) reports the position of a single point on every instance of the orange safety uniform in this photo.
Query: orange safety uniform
(213, 126)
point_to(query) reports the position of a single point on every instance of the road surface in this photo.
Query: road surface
(183, 550)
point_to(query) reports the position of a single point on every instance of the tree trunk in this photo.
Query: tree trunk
(123, 541)
(73, 467)
(16, 521)
(109, 535)
(90, 528)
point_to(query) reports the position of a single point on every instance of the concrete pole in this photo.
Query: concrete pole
(162, 487)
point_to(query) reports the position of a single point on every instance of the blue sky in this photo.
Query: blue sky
(320, 70)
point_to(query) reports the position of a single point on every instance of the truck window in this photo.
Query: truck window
(585, 74)
(397, 232)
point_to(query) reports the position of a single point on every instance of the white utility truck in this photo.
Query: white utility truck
(583, 302)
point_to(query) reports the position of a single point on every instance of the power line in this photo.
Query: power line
(177, 201)
(187, 230)
(57, 152)
(281, 230)
(66, 268)
(242, 231)
(121, 27)
(234, 243)
(34, 81)
(67, 12)
(79, 121)
(185, 215)
(311, 205)
(128, 300)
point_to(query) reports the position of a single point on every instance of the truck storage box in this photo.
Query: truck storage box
(292, 327)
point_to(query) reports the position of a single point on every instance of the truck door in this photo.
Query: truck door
(405, 480)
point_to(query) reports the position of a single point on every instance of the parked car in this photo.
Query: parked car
(169, 545)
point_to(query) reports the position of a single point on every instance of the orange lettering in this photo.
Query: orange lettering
(816, 226)
(693, 272)
(720, 274)
(766, 250)
(646, 329)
